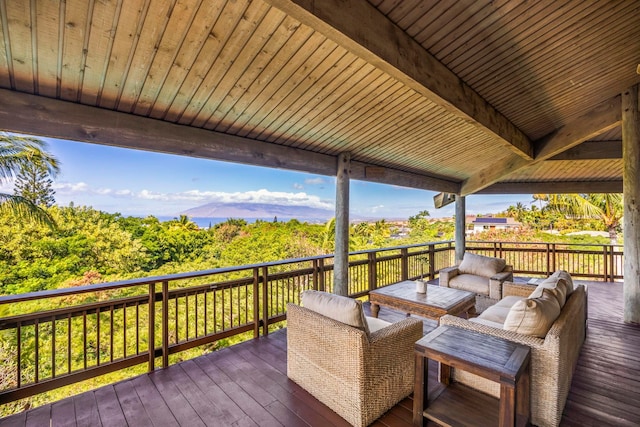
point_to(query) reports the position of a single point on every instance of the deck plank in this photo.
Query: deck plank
(131, 404)
(109, 408)
(63, 413)
(86, 409)
(247, 385)
(153, 402)
(175, 401)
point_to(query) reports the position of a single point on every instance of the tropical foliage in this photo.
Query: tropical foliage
(19, 156)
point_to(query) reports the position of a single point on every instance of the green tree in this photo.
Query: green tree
(183, 223)
(17, 152)
(34, 183)
(606, 207)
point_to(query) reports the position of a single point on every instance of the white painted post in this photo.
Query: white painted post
(460, 233)
(341, 260)
(631, 194)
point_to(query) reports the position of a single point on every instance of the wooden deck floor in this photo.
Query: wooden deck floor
(247, 385)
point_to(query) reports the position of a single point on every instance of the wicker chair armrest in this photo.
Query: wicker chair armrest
(408, 330)
(516, 289)
(502, 276)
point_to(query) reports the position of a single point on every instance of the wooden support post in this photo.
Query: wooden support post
(631, 196)
(341, 260)
(460, 229)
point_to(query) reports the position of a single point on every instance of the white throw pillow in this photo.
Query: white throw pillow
(343, 309)
(533, 316)
(561, 274)
(481, 265)
(555, 285)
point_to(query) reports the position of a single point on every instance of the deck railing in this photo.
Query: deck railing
(107, 327)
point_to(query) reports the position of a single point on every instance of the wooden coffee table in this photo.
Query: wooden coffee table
(437, 302)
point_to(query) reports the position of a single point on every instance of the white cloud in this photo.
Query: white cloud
(191, 198)
(315, 181)
(69, 188)
(375, 209)
(298, 186)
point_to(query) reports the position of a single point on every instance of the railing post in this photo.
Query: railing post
(152, 326)
(404, 264)
(548, 266)
(314, 275)
(553, 258)
(373, 271)
(265, 301)
(612, 264)
(321, 274)
(432, 261)
(256, 302)
(165, 324)
(605, 264)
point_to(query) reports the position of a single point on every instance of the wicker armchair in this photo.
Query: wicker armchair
(479, 274)
(358, 375)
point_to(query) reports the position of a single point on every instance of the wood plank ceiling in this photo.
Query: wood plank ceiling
(509, 84)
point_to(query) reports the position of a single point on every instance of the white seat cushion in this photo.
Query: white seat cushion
(497, 313)
(374, 324)
(471, 283)
(486, 322)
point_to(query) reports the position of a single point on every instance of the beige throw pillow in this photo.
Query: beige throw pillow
(533, 316)
(481, 265)
(555, 285)
(343, 309)
(561, 274)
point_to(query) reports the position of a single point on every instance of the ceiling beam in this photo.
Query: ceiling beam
(40, 116)
(602, 118)
(592, 150)
(362, 29)
(553, 187)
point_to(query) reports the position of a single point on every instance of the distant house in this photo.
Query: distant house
(490, 223)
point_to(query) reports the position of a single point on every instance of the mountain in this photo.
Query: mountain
(258, 210)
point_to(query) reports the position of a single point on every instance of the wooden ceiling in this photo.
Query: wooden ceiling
(456, 96)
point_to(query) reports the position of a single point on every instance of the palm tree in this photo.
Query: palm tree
(184, 223)
(607, 207)
(17, 152)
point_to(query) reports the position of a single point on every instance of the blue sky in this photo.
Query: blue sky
(144, 183)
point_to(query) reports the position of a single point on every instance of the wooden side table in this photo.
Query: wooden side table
(490, 357)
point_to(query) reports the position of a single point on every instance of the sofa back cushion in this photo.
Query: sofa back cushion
(561, 274)
(481, 265)
(555, 285)
(343, 309)
(533, 316)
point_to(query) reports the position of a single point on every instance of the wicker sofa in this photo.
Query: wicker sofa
(480, 274)
(553, 357)
(358, 366)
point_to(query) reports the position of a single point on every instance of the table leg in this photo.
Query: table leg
(444, 373)
(420, 389)
(375, 309)
(523, 398)
(507, 405)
